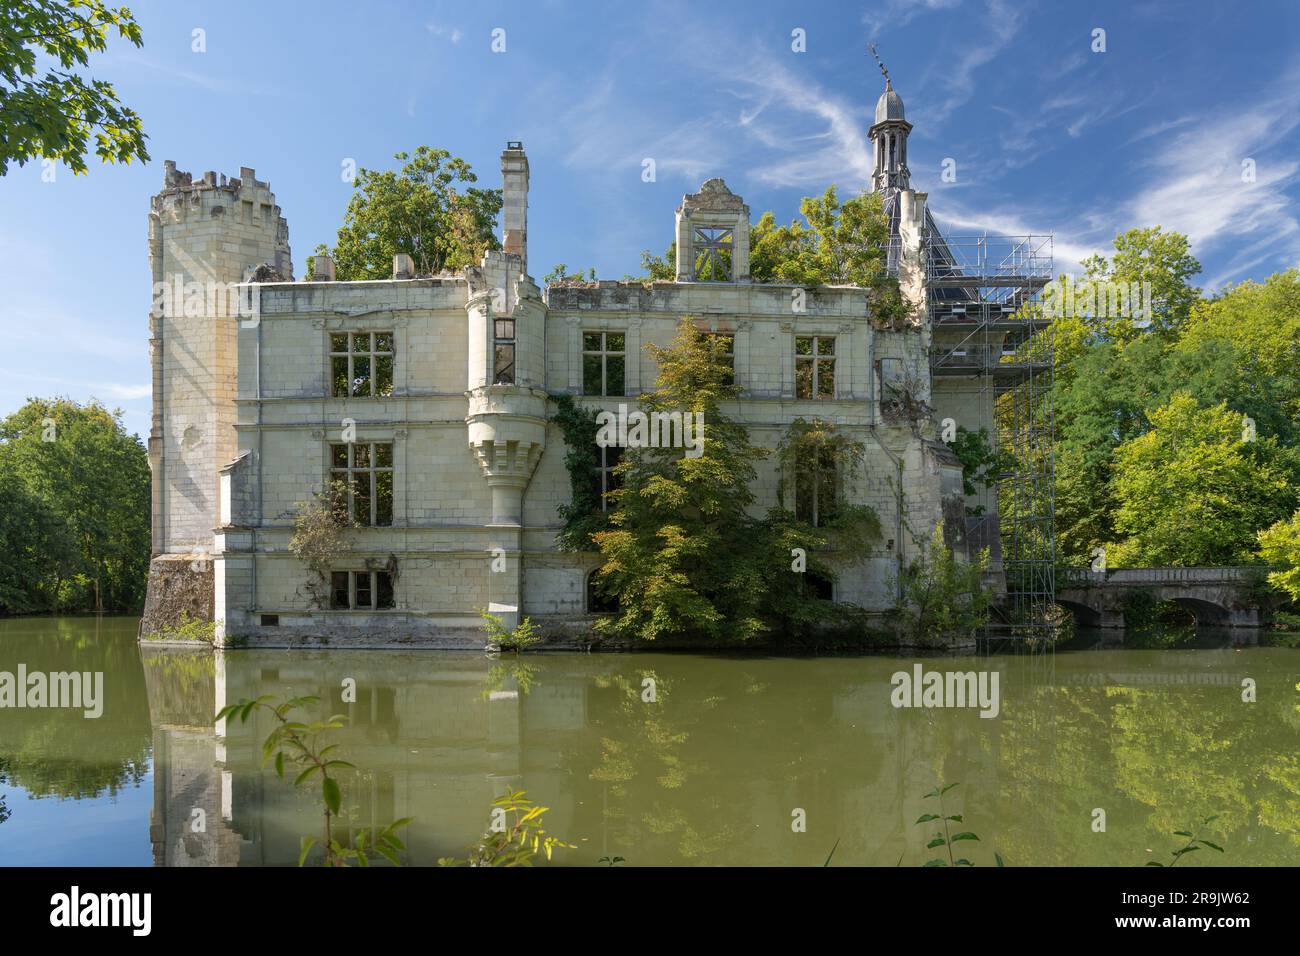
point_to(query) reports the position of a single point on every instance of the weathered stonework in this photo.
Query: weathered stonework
(245, 417)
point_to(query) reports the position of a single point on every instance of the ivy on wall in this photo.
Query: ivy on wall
(583, 515)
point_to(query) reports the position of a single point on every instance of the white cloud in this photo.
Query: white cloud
(897, 14)
(444, 32)
(1196, 184)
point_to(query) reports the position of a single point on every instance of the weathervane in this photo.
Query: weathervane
(880, 63)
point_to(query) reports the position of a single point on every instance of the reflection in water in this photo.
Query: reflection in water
(709, 768)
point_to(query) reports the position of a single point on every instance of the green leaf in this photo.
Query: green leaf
(305, 774)
(1182, 833)
(935, 863)
(333, 797)
(947, 788)
(307, 843)
(1212, 846)
(964, 836)
(937, 841)
(998, 856)
(279, 764)
(926, 818)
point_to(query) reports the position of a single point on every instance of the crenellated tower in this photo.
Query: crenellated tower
(206, 238)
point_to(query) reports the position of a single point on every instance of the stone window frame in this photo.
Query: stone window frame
(371, 355)
(825, 475)
(372, 469)
(816, 358)
(731, 352)
(605, 479)
(374, 578)
(605, 353)
(500, 342)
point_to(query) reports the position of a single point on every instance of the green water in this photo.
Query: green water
(710, 772)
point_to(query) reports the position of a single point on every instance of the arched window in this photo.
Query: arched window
(598, 602)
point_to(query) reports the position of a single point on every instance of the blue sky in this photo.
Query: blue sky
(1047, 135)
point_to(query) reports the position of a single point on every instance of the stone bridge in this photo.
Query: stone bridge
(1225, 597)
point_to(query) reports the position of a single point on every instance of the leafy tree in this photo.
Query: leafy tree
(1279, 545)
(54, 114)
(1191, 492)
(425, 209)
(943, 596)
(92, 480)
(32, 542)
(835, 243)
(1240, 347)
(1149, 255)
(679, 556)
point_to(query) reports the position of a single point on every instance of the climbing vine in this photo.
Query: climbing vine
(582, 516)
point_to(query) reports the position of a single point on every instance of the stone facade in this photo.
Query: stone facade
(248, 425)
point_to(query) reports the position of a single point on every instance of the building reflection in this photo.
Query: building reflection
(713, 768)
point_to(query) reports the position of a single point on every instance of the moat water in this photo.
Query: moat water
(719, 768)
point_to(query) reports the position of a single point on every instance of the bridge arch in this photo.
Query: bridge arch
(1205, 612)
(1084, 614)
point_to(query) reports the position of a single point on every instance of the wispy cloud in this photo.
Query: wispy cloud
(444, 32)
(1198, 183)
(896, 14)
(1003, 23)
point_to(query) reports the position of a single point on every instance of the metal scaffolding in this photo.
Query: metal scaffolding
(987, 330)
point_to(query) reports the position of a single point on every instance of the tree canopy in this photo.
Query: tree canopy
(55, 113)
(74, 509)
(426, 209)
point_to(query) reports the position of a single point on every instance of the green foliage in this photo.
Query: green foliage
(74, 509)
(981, 463)
(320, 538)
(1192, 492)
(425, 209)
(1193, 844)
(520, 638)
(946, 838)
(189, 629)
(54, 114)
(1232, 357)
(298, 745)
(560, 273)
(583, 515)
(943, 596)
(683, 557)
(1279, 546)
(515, 836)
(835, 243)
(679, 554)
(1160, 258)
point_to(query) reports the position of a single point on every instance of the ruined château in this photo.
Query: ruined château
(431, 396)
